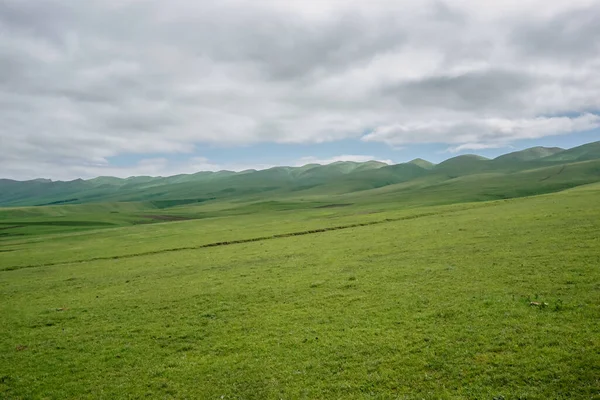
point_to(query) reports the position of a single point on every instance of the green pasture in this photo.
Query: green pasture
(477, 300)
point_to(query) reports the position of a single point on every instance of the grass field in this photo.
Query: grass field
(271, 301)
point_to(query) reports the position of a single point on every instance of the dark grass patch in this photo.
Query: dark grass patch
(158, 217)
(63, 223)
(178, 202)
(335, 205)
(9, 227)
(55, 203)
(9, 234)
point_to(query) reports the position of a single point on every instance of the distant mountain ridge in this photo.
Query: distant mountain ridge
(336, 178)
(533, 153)
(422, 163)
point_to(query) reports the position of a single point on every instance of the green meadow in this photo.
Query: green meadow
(483, 285)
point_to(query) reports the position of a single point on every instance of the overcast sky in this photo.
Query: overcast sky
(130, 87)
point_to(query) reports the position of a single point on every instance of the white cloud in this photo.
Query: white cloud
(80, 82)
(473, 146)
(481, 133)
(330, 160)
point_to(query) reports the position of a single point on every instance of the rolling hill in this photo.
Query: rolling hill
(422, 163)
(590, 151)
(314, 180)
(533, 153)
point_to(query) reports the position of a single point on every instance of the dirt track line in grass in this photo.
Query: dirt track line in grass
(224, 243)
(260, 238)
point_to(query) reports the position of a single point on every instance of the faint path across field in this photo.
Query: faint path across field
(229, 242)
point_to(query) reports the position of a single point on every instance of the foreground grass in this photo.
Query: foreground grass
(431, 307)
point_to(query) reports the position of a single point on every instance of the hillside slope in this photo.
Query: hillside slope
(309, 180)
(533, 153)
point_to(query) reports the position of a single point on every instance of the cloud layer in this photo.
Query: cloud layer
(81, 82)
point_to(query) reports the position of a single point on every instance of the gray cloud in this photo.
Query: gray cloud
(81, 82)
(482, 90)
(570, 36)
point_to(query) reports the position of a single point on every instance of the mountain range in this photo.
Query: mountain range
(530, 171)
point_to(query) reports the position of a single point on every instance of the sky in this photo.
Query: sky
(153, 87)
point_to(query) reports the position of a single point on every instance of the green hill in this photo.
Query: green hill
(483, 187)
(422, 163)
(590, 151)
(370, 165)
(533, 153)
(310, 181)
(463, 165)
(368, 179)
